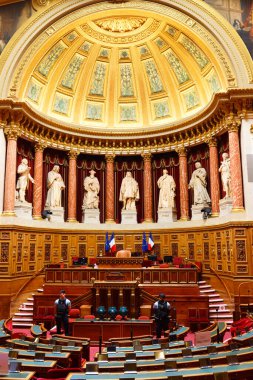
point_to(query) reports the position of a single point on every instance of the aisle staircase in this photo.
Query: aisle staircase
(23, 318)
(218, 308)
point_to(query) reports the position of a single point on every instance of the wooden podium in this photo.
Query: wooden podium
(119, 262)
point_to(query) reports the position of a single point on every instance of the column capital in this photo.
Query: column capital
(110, 157)
(181, 151)
(73, 154)
(40, 146)
(212, 141)
(12, 131)
(146, 156)
(233, 124)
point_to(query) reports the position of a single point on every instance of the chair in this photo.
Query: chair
(221, 376)
(124, 253)
(164, 265)
(89, 316)
(147, 263)
(38, 330)
(45, 314)
(193, 318)
(177, 261)
(56, 373)
(203, 317)
(74, 313)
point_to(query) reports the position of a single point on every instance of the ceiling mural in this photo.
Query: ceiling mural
(122, 71)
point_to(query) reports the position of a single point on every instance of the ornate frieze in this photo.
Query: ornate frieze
(26, 124)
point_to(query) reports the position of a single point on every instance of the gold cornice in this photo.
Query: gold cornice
(217, 120)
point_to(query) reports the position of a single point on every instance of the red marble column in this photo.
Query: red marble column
(109, 189)
(214, 176)
(183, 183)
(147, 177)
(235, 167)
(72, 187)
(10, 170)
(38, 177)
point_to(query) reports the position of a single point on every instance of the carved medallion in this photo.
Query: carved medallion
(120, 24)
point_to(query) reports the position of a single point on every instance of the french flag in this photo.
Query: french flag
(150, 242)
(112, 243)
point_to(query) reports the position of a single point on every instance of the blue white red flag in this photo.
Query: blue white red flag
(107, 245)
(112, 243)
(144, 243)
(150, 242)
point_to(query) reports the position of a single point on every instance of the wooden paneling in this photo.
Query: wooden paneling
(227, 248)
(144, 276)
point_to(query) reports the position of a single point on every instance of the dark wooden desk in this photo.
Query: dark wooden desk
(108, 329)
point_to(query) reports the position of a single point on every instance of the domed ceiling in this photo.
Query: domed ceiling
(122, 69)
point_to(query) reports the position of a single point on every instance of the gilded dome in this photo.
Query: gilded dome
(128, 67)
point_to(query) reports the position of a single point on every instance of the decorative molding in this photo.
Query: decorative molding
(18, 119)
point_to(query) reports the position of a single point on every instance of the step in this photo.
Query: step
(221, 315)
(215, 300)
(23, 309)
(27, 304)
(22, 324)
(20, 319)
(201, 282)
(30, 299)
(212, 295)
(210, 290)
(205, 286)
(228, 321)
(40, 290)
(221, 304)
(25, 314)
(220, 311)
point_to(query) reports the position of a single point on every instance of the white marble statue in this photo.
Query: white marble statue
(129, 192)
(198, 184)
(23, 180)
(167, 188)
(91, 190)
(55, 185)
(224, 169)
